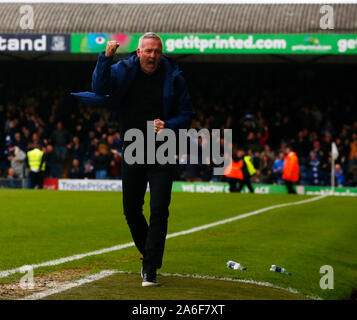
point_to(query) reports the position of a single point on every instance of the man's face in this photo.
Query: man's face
(110, 140)
(150, 55)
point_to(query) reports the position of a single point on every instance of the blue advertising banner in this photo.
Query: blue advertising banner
(35, 42)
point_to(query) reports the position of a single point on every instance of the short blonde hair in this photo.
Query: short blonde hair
(149, 35)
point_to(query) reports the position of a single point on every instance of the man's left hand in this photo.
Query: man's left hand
(159, 125)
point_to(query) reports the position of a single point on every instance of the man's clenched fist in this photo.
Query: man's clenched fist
(159, 125)
(112, 46)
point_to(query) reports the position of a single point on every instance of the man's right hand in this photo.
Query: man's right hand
(112, 46)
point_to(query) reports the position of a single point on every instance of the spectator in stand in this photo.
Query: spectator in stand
(339, 176)
(278, 168)
(352, 170)
(91, 149)
(60, 138)
(115, 165)
(283, 145)
(328, 127)
(118, 142)
(18, 142)
(17, 158)
(26, 136)
(76, 149)
(265, 171)
(92, 135)
(341, 148)
(252, 142)
(80, 133)
(36, 140)
(75, 171)
(315, 177)
(53, 166)
(317, 150)
(270, 154)
(111, 143)
(102, 160)
(89, 172)
(353, 145)
(317, 116)
(302, 144)
(10, 177)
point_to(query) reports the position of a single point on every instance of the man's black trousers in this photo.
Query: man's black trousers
(149, 239)
(245, 181)
(233, 184)
(36, 179)
(289, 186)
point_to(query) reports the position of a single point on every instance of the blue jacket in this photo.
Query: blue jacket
(111, 82)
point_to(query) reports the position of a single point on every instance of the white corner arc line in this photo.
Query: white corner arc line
(6, 273)
(106, 273)
(67, 286)
(258, 283)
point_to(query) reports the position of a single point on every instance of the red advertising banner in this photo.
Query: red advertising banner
(50, 183)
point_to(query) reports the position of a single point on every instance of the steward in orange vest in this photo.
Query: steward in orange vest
(240, 171)
(291, 169)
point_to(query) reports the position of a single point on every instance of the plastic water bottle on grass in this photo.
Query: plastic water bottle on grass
(235, 265)
(275, 268)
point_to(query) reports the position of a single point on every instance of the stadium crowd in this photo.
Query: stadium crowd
(268, 107)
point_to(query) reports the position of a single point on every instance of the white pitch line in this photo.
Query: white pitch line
(106, 273)
(6, 273)
(258, 283)
(242, 216)
(67, 286)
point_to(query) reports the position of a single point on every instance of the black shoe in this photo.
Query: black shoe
(149, 279)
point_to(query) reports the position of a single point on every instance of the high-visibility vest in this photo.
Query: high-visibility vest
(291, 168)
(234, 170)
(34, 157)
(250, 166)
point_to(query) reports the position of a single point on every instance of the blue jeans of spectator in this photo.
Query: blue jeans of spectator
(11, 183)
(56, 170)
(61, 153)
(101, 174)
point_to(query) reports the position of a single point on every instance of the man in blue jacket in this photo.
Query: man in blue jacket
(144, 86)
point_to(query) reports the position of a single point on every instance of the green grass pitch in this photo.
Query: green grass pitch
(38, 226)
